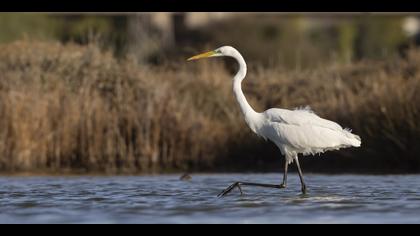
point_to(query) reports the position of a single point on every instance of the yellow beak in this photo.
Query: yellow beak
(202, 55)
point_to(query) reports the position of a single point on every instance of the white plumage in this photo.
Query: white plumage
(302, 131)
(293, 131)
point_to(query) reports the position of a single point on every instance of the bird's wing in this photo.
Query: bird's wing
(299, 117)
(308, 133)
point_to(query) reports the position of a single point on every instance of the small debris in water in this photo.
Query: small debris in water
(185, 177)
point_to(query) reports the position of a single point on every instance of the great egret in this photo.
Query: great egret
(293, 131)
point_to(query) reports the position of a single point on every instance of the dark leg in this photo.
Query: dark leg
(239, 184)
(283, 185)
(300, 176)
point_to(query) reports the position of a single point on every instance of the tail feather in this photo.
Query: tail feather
(354, 139)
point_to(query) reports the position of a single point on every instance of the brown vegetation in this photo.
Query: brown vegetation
(68, 108)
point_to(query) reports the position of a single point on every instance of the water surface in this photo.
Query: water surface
(166, 199)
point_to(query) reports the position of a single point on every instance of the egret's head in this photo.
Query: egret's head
(222, 51)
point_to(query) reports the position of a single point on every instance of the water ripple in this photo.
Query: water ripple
(166, 199)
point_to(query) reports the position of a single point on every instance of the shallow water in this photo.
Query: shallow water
(166, 199)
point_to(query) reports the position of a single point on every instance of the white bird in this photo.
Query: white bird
(293, 131)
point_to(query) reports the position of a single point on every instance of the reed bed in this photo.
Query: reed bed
(77, 109)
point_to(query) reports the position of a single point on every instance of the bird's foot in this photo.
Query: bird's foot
(230, 188)
(283, 185)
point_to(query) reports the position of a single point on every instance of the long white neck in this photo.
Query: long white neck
(250, 114)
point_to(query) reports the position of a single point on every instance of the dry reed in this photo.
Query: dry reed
(69, 108)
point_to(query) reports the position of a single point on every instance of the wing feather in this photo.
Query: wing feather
(300, 117)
